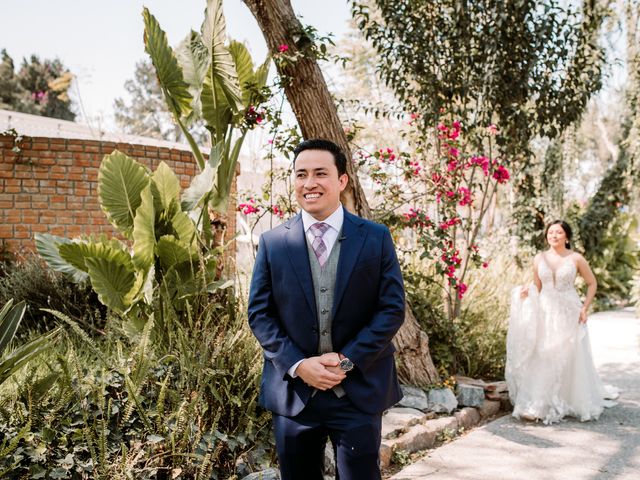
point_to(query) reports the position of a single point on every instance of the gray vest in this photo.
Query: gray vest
(324, 282)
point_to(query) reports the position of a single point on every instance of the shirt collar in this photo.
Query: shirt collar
(334, 220)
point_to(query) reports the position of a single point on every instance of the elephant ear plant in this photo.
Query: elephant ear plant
(203, 80)
(166, 249)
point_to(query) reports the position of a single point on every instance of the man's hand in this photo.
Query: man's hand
(315, 374)
(331, 362)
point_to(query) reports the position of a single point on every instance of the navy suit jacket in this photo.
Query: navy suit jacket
(368, 310)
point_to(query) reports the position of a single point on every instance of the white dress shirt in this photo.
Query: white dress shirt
(329, 238)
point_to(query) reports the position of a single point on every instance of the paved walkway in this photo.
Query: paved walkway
(509, 449)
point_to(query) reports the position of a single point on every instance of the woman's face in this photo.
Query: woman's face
(556, 236)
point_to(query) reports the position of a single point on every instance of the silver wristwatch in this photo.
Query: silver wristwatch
(346, 365)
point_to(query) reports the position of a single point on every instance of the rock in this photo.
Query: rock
(423, 436)
(413, 398)
(467, 417)
(461, 380)
(498, 387)
(329, 461)
(385, 455)
(489, 408)
(252, 461)
(268, 474)
(469, 395)
(442, 400)
(396, 420)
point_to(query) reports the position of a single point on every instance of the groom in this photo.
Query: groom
(326, 299)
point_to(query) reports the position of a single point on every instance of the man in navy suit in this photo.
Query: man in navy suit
(326, 299)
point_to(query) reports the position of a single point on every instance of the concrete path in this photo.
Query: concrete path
(510, 449)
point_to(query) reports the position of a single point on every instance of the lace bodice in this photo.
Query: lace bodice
(562, 279)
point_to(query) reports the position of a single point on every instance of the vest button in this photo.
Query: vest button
(323, 289)
(323, 311)
(324, 333)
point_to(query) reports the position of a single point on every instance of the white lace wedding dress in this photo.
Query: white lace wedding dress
(549, 371)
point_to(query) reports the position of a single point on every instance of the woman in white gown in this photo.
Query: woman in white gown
(550, 371)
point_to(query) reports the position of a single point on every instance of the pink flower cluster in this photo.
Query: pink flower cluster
(386, 155)
(467, 198)
(450, 223)
(249, 207)
(449, 133)
(283, 48)
(254, 116)
(482, 162)
(501, 174)
(277, 211)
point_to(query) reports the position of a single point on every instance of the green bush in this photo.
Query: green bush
(176, 403)
(40, 287)
(473, 344)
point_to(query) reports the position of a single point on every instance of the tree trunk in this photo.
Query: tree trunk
(316, 112)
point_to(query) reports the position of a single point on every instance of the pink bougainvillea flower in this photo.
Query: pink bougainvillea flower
(452, 165)
(485, 264)
(462, 288)
(249, 207)
(466, 199)
(492, 129)
(454, 152)
(283, 48)
(501, 174)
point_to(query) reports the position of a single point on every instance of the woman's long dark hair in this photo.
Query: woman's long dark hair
(567, 231)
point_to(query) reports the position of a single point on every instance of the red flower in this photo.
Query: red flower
(283, 48)
(462, 288)
(249, 207)
(501, 174)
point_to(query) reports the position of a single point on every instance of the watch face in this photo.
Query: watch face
(346, 364)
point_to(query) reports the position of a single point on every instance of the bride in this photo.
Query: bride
(550, 371)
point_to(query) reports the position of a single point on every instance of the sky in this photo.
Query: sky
(101, 41)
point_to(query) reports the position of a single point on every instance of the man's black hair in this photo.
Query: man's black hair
(320, 144)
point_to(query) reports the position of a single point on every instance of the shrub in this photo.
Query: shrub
(473, 344)
(40, 287)
(175, 404)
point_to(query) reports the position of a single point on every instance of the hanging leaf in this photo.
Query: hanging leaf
(120, 181)
(47, 246)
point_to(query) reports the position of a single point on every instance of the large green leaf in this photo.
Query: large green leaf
(221, 67)
(244, 68)
(185, 229)
(170, 77)
(113, 277)
(48, 248)
(144, 236)
(169, 73)
(165, 187)
(75, 253)
(225, 176)
(120, 181)
(194, 59)
(215, 108)
(172, 251)
(201, 185)
(24, 354)
(10, 318)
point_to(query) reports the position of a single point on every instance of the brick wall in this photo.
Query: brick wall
(51, 186)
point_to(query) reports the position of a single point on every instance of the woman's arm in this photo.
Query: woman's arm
(524, 292)
(592, 285)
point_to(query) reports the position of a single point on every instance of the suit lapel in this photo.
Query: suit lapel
(352, 240)
(299, 257)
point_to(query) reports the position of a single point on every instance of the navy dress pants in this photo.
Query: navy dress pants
(355, 436)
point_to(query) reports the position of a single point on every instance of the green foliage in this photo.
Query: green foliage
(40, 287)
(447, 58)
(119, 407)
(204, 80)
(12, 361)
(39, 87)
(615, 259)
(146, 208)
(474, 343)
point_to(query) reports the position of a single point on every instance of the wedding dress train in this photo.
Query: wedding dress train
(549, 371)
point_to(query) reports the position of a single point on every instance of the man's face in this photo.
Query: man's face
(317, 183)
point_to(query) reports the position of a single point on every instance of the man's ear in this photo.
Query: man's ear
(344, 179)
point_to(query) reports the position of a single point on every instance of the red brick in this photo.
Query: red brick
(37, 227)
(75, 148)
(57, 148)
(39, 205)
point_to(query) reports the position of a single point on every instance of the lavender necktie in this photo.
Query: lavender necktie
(319, 247)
